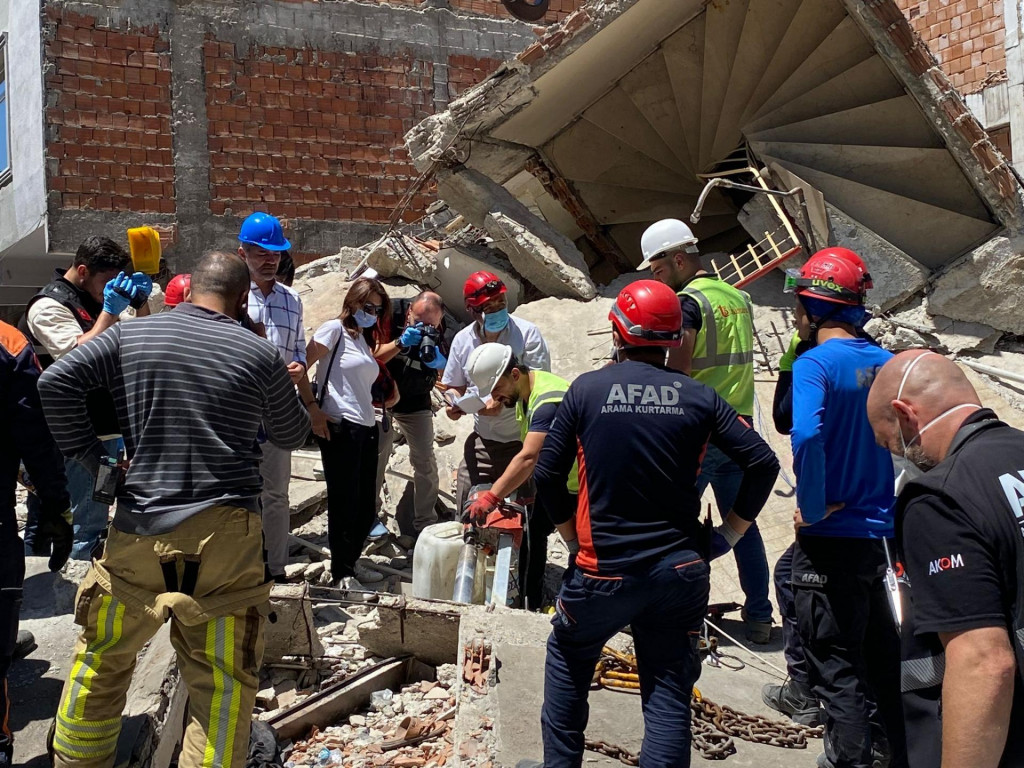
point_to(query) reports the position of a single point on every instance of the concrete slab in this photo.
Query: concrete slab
(516, 641)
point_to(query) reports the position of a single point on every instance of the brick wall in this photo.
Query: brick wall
(108, 116)
(967, 37)
(312, 134)
(466, 71)
(300, 109)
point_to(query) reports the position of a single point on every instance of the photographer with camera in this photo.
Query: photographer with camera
(415, 356)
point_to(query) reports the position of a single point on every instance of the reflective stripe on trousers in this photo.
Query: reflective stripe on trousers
(76, 736)
(220, 653)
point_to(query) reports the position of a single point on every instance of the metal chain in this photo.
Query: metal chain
(614, 751)
(713, 726)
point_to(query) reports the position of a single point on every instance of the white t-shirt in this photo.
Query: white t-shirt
(353, 373)
(527, 344)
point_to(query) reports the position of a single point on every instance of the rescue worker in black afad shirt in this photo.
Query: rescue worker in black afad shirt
(639, 431)
(24, 438)
(959, 529)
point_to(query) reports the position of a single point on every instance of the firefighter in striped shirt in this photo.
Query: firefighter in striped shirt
(190, 388)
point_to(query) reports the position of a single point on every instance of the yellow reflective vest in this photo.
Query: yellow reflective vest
(723, 353)
(547, 388)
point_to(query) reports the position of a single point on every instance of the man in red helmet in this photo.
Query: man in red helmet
(639, 431)
(495, 439)
(844, 517)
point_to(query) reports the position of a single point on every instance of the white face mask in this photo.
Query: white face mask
(917, 457)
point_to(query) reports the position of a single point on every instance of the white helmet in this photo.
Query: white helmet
(487, 364)
(665, 235)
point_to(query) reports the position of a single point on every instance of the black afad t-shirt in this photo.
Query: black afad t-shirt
(960, 548)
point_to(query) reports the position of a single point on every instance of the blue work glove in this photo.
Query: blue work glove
(438, 363)
(411, 337)
(118, 294)
(144, 287)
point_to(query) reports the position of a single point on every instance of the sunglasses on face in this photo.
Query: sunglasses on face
(373, 309)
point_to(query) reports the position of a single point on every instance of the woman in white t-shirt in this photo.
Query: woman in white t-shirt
(344, 422)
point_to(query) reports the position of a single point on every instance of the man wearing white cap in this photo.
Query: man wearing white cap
(535, 396)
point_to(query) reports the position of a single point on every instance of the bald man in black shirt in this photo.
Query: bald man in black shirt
(959, 528)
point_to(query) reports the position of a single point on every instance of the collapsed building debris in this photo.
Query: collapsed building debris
(629, 106)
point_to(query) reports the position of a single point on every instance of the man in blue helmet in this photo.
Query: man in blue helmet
(278, 309)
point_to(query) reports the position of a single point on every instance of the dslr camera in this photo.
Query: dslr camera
(428, 343)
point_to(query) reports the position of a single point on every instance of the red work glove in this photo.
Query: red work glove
(485, 503)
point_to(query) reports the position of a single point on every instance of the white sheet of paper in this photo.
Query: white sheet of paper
(468, 403)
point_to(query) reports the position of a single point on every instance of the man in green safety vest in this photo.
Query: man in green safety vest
(717, 350)
(535, 395)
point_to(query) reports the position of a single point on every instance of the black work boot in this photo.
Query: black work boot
(794, 700)
(25, 645)
(881, 754)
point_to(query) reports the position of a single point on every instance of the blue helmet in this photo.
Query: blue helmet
(263, 230)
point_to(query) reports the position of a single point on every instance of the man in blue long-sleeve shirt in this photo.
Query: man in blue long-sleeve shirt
(844, 498)
(639, 431)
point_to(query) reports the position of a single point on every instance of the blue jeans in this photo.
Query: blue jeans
(89, 518)
(724, 475)
(665, 606)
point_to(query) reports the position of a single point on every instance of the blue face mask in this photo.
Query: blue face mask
(495, 322)
(364, 319)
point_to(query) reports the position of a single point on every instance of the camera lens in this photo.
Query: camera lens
(428, 349)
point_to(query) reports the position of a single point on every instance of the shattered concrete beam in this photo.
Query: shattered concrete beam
(539, 252)
(438, 138)
(911, 61)
(562, 190)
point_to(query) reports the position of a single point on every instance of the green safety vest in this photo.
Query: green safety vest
(547, 388)
(723, 353)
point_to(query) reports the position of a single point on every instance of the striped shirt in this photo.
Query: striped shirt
(191, 387)
(280, 311)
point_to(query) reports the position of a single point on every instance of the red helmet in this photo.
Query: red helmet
(175, 293)
(833, 274)
(647, 314)
(481, 287)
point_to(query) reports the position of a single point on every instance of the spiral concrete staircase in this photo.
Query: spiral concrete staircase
(674, 90)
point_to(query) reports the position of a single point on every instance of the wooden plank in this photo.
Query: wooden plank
(328, 706)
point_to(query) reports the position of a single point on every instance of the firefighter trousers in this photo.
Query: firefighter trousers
(207, 577)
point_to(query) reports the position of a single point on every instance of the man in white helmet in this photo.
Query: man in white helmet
(535, 397)
(717, 350)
